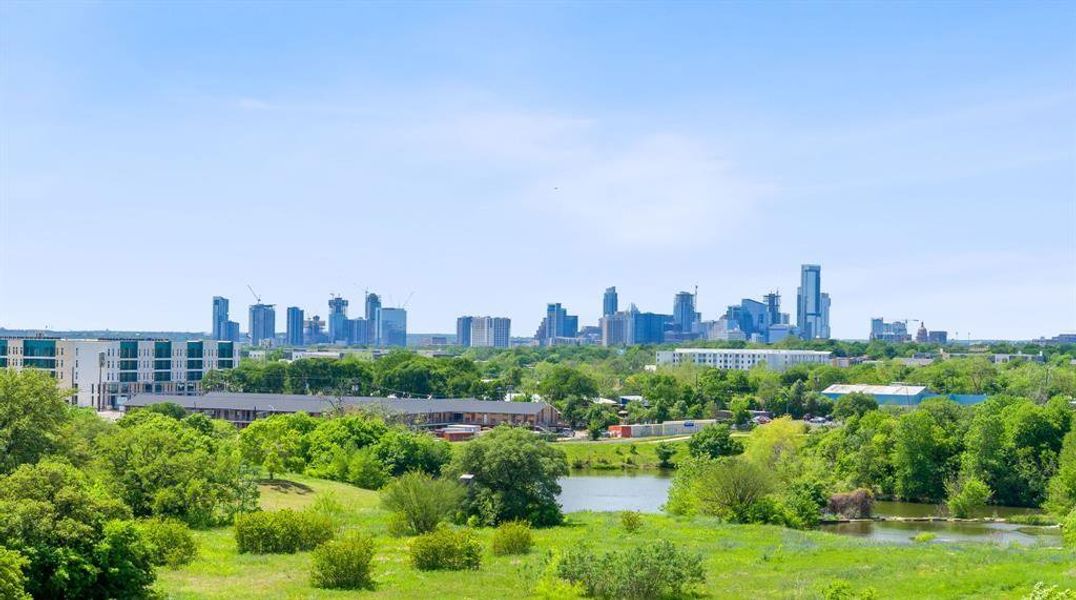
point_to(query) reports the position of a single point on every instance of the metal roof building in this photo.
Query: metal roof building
(240, 408)
(906, 395)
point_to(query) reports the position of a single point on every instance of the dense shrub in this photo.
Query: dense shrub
(856, 504)
(665, 451)
(12, 581)
(1068, 530)
(652, 570)
(170, 542)
(343, 564)
(447, 549)
(512, 537)
(281, 532)
(967, 496)
(840, 589)
(420, 502)
(631, 521)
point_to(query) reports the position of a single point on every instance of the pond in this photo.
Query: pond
(898, 532)
(614, 490)
(647, 492)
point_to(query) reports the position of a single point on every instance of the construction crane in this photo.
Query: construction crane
(404, 305)
(255, 294)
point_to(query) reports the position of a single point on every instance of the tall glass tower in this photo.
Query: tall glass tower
(609, 302)
(812, 306)
(220, 318)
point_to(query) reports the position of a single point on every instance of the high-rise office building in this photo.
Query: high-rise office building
(392, 327)
(373, 319)
(487, 332)
(220, 318)
(294, 332)
(556, 324)
(897, 331)
(231, 331)
(812, 306)
(339, 330)
(631, 327)
(684, 315)
(314, 331)
(463, 331)
(609, 302)
(262, 323)
(358, 330)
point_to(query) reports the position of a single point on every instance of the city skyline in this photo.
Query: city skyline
(921, 152)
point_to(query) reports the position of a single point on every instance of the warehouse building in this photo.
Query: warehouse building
(896, 394)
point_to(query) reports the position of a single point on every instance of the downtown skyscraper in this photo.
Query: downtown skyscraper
(812, 305)
(294, 333)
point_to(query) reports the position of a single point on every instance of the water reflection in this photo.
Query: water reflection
(614, 490)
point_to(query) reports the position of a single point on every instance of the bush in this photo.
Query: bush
(12, 581)
(281, 532)
(840, 589)
(447, 549)
(652, 570)
(631, 521)
(856, 504)
(924, 537)
(967, 496)
(512, 537)
(343, 564)
(170, 542)
(1041, 592)
(1068, 529)
(420, 502)
(665, 451)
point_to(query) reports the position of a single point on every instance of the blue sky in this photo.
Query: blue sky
(492, 157)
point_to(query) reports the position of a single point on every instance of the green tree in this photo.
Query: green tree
(570, 390)
(856, 403)
(920, 458)
(12, 581)
(164, 467)
(67, 528)
(274, 444)
(32, 411)
(731, 487)
(714, 441)
(401, 450)
(514, 477)
(1062, 498)
(168, 409)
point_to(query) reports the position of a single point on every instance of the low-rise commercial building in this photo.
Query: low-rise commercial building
(742, 359)
(241, 409)
(104, 374)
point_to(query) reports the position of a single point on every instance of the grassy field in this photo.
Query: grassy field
(741, 561)
(620, 454)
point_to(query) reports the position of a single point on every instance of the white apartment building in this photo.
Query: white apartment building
(103, 374)
(742, 359)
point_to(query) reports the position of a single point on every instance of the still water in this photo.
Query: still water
(647, 492)
(614, 490)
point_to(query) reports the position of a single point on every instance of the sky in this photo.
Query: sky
(489, 158)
